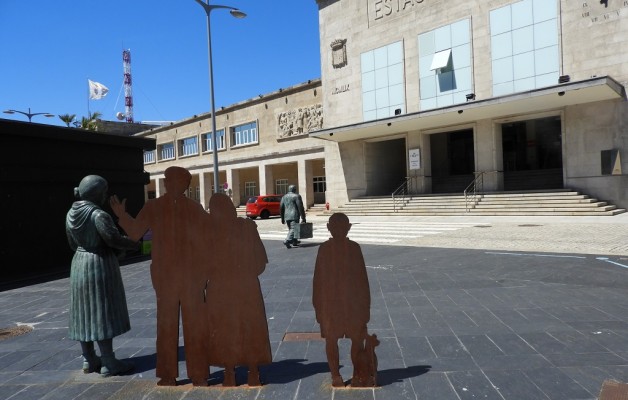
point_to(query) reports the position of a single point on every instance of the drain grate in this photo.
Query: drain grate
(529, 225)
(7, 333)
(302, 336)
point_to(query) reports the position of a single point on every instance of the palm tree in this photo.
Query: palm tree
(91, 121)
(67, 118)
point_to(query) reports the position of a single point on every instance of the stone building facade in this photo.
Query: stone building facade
(429, 95)
(526, 94)
(263, 147)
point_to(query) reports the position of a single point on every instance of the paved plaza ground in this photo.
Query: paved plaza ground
(493, 308)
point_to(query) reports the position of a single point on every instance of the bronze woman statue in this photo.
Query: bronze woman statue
(98, 310)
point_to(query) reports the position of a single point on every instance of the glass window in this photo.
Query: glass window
(500, 20)
(502, 70)
(367, 62)
(244, 134)
(460, 32)
(545, 34)
(546, 60)
(368, 81)
(523, 65)
(441, 59)
(501, 45)
(525, 51)
(428, 87)
(382, 81)
(463, 80)
(442, 38)
(207, 140)
(250, 189)
(188, 146)
(281, 186)
(543, 10)
(445, 66)
(149, 157)
(320, 186)
(166, 151)
(461, 56)
(426, 44)
(523, 40)
(522, 14)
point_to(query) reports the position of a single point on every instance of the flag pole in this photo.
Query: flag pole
(88, 97)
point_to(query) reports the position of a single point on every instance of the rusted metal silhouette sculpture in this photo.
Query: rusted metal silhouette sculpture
(237, 317)
(342, 303)
(98, 310)
(177, 275)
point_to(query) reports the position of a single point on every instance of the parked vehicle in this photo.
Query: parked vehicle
(263, 206)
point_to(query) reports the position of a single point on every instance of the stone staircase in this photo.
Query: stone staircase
(562, 202)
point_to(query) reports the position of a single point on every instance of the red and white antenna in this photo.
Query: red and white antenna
(128, 90)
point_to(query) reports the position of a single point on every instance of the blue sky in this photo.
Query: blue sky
(51, 48)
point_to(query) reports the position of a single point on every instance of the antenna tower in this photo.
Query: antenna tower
(128, 90)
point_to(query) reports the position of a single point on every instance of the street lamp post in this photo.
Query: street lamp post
(237, 14)
(29, 114)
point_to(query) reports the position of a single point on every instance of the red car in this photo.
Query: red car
(263, 206)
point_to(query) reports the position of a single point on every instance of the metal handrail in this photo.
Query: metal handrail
(475, 187)
(399, 195)
(471, 191)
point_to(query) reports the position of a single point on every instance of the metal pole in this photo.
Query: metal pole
(213, 106)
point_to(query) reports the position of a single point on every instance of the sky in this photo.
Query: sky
(49, 50)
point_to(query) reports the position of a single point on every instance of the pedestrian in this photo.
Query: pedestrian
(98, 309)
(342, 300)
(177, 274)
(291, 211)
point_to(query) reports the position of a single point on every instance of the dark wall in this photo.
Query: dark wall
(40, 166)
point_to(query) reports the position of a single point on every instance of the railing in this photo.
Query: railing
(471, 193)
(189, 149)
(401, 193)
(167, 153)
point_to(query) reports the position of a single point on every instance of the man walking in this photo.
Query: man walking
(291, 210)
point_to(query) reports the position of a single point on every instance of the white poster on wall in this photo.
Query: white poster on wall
(415, 158)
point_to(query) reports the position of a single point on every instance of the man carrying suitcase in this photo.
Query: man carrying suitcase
(291, 210)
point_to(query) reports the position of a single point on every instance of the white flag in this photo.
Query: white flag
(97, 90)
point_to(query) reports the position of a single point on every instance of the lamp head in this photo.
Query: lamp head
(9, 112)
(237, 13)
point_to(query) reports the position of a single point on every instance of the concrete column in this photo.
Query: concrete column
(160, 188)
(305, 188)
(426, 163)
(233, 179)
(266, 182)
(206, 189)
(488, 154)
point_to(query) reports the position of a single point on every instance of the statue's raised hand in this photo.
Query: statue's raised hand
(118, 207)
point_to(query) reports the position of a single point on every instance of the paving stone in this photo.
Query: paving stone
(555, 384)
(480, 345)
(433, 386)
(473, 385)
(447, 347)
(514, 385)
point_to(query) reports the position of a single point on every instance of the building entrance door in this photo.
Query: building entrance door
(532, 153)
(453, 161)
(385, 166)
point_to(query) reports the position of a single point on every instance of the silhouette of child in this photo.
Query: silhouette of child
(341, 295)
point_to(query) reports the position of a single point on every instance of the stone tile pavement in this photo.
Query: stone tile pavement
(506, 312)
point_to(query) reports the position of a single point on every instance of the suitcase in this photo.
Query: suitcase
(304, 230)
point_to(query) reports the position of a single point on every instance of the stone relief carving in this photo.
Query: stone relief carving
(300, 121)
(339, 53)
